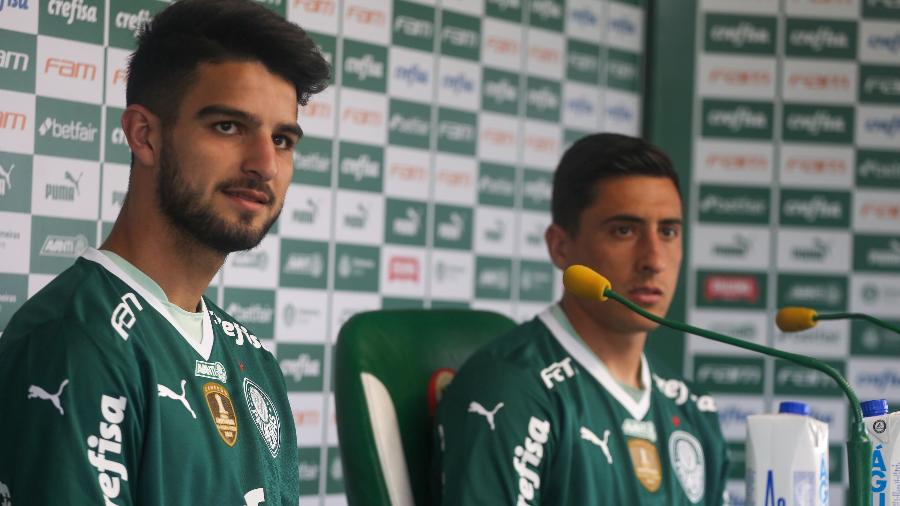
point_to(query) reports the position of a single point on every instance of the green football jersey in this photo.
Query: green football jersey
(104, 400)
(535, 418)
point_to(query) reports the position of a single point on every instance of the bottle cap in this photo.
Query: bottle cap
(793, 407)
(875, 407)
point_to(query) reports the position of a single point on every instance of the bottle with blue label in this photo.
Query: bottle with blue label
(787, 458)
(884, 431)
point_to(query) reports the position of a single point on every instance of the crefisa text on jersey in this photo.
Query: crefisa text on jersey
(109, 442)
(531, 453)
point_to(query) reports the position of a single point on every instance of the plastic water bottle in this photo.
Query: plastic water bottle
(884, 432)
(787, 458)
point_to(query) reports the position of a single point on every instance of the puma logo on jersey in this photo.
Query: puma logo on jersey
(602, 443)
(474, 407)
(167, 392)
(528, 458)
(107, 444)
(36, 392)
(255, 497)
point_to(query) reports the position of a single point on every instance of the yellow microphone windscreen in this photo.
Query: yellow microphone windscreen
(585, 282)
(795, 319)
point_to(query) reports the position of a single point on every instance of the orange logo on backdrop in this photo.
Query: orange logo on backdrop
(307, 416)
(544, 54)
(498, 137)
(407, 172)
(884, 211)
(737, 162)
(317, 110)
(366, 16)
(736, 76)
(819, 81)
(71, 69)
(502, 46)
(363, 117)
(119, 75)
(819, 166)
(542, 144)
(454, 178)
(9, 120)
(316, 6)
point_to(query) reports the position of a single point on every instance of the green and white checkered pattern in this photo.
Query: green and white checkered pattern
(424, 179)
(796, 185)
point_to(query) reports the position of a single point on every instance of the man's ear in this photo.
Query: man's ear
(142, 129)
(558, 245)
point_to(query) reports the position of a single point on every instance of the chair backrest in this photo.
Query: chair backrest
(387, 365)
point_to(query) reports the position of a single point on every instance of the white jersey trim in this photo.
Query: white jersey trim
(204, 348)
(592, 364)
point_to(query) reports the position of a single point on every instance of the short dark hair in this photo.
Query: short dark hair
(597, 157)
(190, 32)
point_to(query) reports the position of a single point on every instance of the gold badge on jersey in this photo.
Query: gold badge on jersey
(222, 410)
(645, 459)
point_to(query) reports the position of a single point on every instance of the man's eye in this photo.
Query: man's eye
(670, 232)
(283, 141)
(622, 230)
(226, 127)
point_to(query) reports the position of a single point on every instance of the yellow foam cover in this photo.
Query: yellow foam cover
(795, 319)
(585, 282)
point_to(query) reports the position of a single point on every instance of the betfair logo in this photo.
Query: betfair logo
(408, 125)
(133, 22)
(13, 59)
(364, 67)
(9, 120)
(64, 246)
(738, 119)
(361, 167)
(738, 248)
(313, 162)
(366, 16)
(813, 209)
(880, 170)
(72, 10)
(456, 132)
(71, 69)
(460, 37)
(251, 313)
(817, 123)
(733, 205)
(412, 74)
(14, 4)
(71, 131)
(546, 9)
(500, 91)
(304, 366)
(66, 191)
(741, 34)
(822, 38)
(413, 27)
(543, 99)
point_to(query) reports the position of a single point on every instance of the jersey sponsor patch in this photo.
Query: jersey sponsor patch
(211, 370)
(168, 393)
(557, 372)
(636, 428)
(588, 435)
(264, 415)
(107, 445)
(222, 410)
(645, 459)
(36, 392)
(686, 455)
(527, 459)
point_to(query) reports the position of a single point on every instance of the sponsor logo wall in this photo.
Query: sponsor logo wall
(796, 191)
(424, 178)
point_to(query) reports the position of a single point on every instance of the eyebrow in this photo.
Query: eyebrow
(237, 114)
(630, 218)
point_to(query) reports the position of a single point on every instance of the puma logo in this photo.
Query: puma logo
(75, 182)
(474, 407)
(602, 443)
(165, 391)
(36, 392)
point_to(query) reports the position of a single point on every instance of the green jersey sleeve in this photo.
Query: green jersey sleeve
(494, 438)
(68, 428)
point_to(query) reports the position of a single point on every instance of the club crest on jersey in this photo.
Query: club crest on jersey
(211, 370)
(222, 410)
(645, 459)
(264, 415)
(686, 456)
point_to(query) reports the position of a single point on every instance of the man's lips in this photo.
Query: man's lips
(645, 295)
(254, 196)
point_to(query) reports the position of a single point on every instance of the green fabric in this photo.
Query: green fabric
(523, 420)
(129, 386)
(192, 323)
(560, 316)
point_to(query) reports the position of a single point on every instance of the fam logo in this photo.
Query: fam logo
(583, 63)
(70, 69)
(325, 7)
(804, 80)
(14, 60)
(413, 27)
(743, 34)
(362, 117)
(10, 120)
(739, 76)
(791, 379)
(544, 55)
(547, 14)
(457, 131)
(812, 165)
(460, 35)
(736, 162)
(365, 16)
(501, 47)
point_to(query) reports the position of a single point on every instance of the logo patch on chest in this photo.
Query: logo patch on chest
(264, 415)
(645, 459)
(687, 459)
(222, 410)
(211, 370)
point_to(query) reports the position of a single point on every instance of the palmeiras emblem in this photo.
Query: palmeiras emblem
(264, 415)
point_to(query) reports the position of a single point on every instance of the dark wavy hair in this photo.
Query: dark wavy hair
(190, 32)
(597, 157)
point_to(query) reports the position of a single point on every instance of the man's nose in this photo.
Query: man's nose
(260, 158)
(652, 255)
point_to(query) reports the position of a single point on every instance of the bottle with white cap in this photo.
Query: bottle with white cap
(884, 431)
(787, 458)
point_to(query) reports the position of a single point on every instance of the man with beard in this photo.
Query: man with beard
(120, 383)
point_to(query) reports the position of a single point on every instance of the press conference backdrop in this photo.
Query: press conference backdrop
(794, 194)
(424, 178)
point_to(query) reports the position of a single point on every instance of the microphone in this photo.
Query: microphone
(585, 282)
(795, 319)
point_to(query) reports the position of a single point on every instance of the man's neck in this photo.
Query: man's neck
(181, 266)
(619, 352)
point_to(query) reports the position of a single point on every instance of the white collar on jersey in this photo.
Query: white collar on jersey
(592, 364)
(204, 348)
